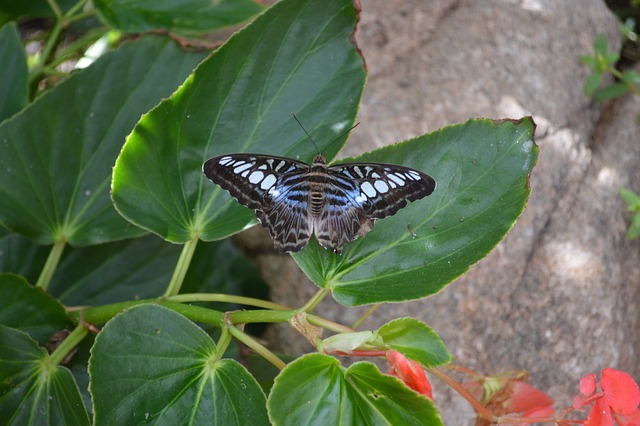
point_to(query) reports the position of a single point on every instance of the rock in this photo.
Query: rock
(559, 296)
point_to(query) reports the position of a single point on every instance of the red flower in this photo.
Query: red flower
(618, 401)
(409, 372)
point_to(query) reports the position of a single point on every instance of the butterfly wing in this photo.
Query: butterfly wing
(383, 189)
(272, 186)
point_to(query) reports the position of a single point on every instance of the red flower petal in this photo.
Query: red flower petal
(620, 391)
(409, 372)
(600, 414)
(525, 397)
(588, 385)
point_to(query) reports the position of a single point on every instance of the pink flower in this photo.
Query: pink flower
(410, 372)
(618, 402)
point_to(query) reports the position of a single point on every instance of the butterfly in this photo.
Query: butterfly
(294, 200)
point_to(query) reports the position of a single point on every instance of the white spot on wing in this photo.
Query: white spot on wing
(245, 173)
(413, 175)
(225, 160)
(241, 167)
(274, 192)
(381, 186)
(358, 172)
(263, 167)
(256, 177)
(268, 182)
(375, 175)
(360, 198)
(368, 189)
(279, 166)
(395, 178)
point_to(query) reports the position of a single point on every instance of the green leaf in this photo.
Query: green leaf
(57, 155)
(634, 229)
(611, 91)
(601, 45)
(33, 7)
(589, 61)
(631, 198)
(415, 340)
(21, 256)
(316, 390)
(482, 170)
(32, 391)
(150, 364)
(631, 77)
(13, 84)
(187, 16)
(29, 309)
(592, 83)
(297, 56)
(115, 272)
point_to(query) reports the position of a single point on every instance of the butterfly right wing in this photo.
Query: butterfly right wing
(272, 186)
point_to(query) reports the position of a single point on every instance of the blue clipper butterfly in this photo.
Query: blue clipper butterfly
(294, 200)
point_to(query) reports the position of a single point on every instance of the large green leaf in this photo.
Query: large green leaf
(21, 256)
(13, 84)
(150, 364)
(56, 156)
(316, 390)
(297, 56)
(482, 170)
(175, 15)
(29, 309)
(32, 391)
(33, 7)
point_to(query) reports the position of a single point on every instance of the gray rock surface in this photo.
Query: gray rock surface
(559, 296)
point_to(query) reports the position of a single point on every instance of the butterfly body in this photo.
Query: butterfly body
(294, 200)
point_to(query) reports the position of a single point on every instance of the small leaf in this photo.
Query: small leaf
(589, 61)
(601, 45)
(592, 83)
(482, 169)
(611, 91)
(29, 309)
(631, 77)
(187, 16)
(151, 364)
(32, 391)
(634, 229)
(13, 84)
(301, 59)
(316, 390)
(416, 341)
(55, 180)
(631, 198)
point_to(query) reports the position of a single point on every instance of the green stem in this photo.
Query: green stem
(366, 315)
(223, 343)
(257, 347)
(635, 90)
(197, 313)
(56, 9)
(50, 266)
(226, 298)
(259, 316)
(315, 300)
(181, 267)
(67, 345)
(329, 325)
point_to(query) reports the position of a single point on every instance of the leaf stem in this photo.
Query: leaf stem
(257, 347)
(50, 265)
(68, 344)
(315, 300)
(477, 406)
(366, 315)
(227, 298)
(181, 267)
(223, 343)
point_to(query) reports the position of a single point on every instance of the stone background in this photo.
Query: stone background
(559, 296)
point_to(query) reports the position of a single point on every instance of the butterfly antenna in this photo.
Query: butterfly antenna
(305, 131)
(311, 139)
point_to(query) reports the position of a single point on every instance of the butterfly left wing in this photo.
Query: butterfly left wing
(383, 189)
(273, 187)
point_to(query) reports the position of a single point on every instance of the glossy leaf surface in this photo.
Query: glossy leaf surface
(175, 15)
(13, 84)
(57, 155)
(316, 390)
(297, 56)
(32, 391)
(482, 170)
(150, 364)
